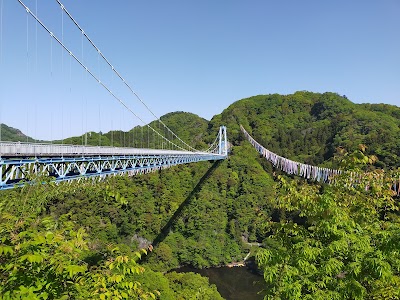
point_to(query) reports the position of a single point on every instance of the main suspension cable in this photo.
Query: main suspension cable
(95, 77)
(119, 75)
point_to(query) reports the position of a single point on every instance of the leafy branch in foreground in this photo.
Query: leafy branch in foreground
(41, 258)
(343, 245)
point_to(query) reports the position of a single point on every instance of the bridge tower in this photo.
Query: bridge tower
(223, 141)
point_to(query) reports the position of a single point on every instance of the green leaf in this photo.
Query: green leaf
(6, 250)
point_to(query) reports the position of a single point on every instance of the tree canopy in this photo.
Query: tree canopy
(318, 241)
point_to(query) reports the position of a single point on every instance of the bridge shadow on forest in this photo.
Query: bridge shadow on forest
(165, 230)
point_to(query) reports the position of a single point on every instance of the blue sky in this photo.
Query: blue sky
(195, 56)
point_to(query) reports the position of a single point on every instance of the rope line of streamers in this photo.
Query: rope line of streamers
(304, 170)
(292, 167)
(63, 8)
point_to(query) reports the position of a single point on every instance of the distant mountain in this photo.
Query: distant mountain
(10, 134)
(309, 127)
(187, 126)
(304, 126)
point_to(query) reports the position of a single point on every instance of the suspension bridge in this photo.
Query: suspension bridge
(22, 161)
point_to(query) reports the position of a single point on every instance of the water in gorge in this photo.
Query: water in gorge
(236, 283)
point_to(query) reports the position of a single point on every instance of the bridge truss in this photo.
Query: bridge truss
(20, 162)
(23, 162)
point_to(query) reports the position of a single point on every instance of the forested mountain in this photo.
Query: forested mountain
(309, 127)
(305, 126)
(11, 134)
(187, 126)
(205, 214)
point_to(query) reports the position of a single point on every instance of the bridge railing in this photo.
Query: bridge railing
(18, 149)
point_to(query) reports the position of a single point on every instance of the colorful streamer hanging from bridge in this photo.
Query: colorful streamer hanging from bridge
(292, 167)
(308, 171)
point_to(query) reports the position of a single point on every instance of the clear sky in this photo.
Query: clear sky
(195, 56)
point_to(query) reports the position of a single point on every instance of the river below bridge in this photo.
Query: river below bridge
(236, 283)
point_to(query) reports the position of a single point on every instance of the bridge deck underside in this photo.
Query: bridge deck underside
(23, 162)
(15, 171)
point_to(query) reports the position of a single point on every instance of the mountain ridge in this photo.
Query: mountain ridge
(11, 134)
(304, 126)
(309, 127)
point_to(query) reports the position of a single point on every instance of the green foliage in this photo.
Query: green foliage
(309, 127)
(116, 279)
(344, 243)
(40, 260)
(304, 126)
(230, 202)
(53, 257)
(89, 138)
(192, 286)
(326, 242)
(11, 134)
(181, 286)
(189, 127)
(43, 259)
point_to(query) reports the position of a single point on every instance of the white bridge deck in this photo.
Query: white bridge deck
(21, 162)
(17, 149)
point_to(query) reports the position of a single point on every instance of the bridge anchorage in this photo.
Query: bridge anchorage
(21, 161)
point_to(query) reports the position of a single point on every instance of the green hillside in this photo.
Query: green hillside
(187, 126)
(10, 134)
(309, 127)
(206, 214)
(305, 126)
